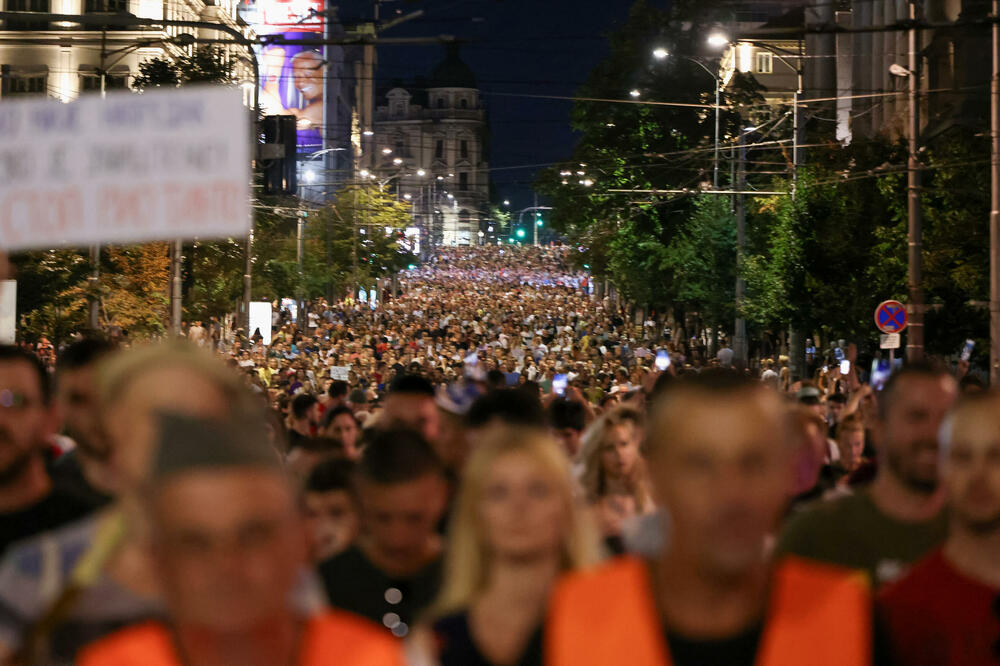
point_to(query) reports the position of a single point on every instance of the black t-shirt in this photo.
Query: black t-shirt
(67, 476)
(456, 646)
(354, 584)
(739, 650)
(57, 508)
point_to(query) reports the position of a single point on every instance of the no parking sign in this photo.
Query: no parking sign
(890, 317)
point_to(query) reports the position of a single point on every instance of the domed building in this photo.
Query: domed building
(431, 147)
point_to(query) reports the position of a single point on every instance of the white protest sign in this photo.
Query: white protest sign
(126, 168)
(260, 320)
(8, 311)
(339, 372)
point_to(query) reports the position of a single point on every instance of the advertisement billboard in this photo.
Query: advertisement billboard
(291, 76)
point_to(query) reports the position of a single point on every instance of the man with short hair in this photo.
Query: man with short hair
(229, 546)
(900, 516)
(393, 570)
(303, 416)
(410, 403)
(945, 611)
(331, 511)
(81, 471)
(568, 420)
(29, 503)
(720, 462)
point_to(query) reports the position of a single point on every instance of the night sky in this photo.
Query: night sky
(536, 47)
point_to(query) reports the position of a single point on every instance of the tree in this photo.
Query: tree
(207, 64)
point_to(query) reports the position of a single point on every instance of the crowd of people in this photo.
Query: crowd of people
(492, 467)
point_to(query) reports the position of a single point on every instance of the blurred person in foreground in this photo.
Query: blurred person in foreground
(393, 570)
(515, 529)
(946, 611)
(74, 584)
(721, 465)
(228, 575)
(900, 516)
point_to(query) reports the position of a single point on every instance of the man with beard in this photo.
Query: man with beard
(721, 463)
(945, 611)
(29, 503)
(900, 517)
(81, 471)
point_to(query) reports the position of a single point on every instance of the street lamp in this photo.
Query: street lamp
(661, 54)
(634, 93)
(421, 173)
(717, 40)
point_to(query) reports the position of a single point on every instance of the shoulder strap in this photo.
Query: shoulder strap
(820, 614)
(605, 616)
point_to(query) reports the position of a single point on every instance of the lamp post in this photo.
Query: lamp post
(914, 213)
(661, 54)
(995, 202)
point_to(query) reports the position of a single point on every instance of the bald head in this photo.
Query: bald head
(970, 445)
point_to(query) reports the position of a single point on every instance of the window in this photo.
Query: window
(464, 148)
(105, 6)
(27, 6)
(440, 102)
(35, 84)
(439, 149)
(764, 64)
(463, 103)
(91, 82)
(463, 181)
(400, 148)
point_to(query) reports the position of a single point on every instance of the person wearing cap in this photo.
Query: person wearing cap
(228, 575)
(713, 596)
(946, 610)
(900, 516)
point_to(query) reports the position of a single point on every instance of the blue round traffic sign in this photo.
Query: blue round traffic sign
(890, 317)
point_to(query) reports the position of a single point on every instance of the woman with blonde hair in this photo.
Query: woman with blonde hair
(614, 476)
(516, 528)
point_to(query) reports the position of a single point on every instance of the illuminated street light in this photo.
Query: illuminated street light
(364, 173)
(387, 151)
(368, 133)
(397, 161)
(506, 202)
(660, 53)
(421, 172)
(407, 196)
(717, 40)
(634, 92)
(309, 176)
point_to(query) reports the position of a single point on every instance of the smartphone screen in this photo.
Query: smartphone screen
(839, 353)
(559, 384)
(967, 350)
(662, 360)
(845, 367)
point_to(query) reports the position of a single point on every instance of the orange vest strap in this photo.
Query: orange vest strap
(818, 614)
(331, 639)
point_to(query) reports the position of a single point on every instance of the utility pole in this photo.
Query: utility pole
(299, 237)
(995, 202)
(740, 328)
(915, 332)
(177, 251)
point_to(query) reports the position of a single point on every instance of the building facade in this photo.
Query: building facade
(430, 146)
(63, 60)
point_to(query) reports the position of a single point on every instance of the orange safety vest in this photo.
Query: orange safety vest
(330, 639)
(818, 615)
